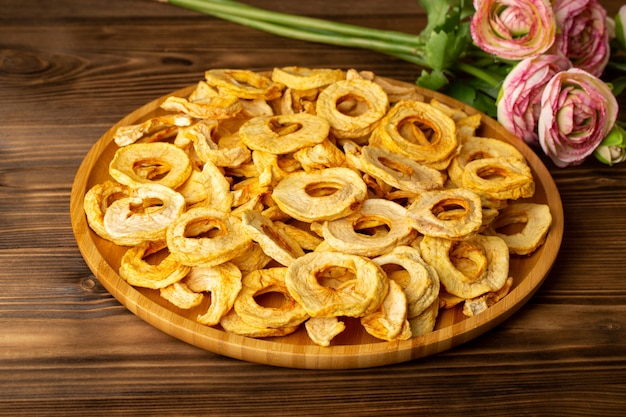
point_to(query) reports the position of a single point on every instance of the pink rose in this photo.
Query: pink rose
(513, 29)
(519, 103)
(578, 111)
(583, 36)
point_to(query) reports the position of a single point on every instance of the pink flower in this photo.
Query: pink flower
(578, 111)
(513, 29)
(583, 36)
(519, 104)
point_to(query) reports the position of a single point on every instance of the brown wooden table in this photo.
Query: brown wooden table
(70, 69)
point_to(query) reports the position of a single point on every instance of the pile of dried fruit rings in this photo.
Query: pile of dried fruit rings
(343, 193)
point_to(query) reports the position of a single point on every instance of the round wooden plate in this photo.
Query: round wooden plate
(354, 348)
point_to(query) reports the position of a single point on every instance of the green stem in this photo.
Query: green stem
(240, 10)
(491, 80)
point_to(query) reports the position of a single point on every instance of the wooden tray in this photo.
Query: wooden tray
(354, 348)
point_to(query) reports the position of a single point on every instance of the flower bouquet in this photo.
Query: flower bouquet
(549, 72)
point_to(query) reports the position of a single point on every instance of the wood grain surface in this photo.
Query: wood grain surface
(70, 69)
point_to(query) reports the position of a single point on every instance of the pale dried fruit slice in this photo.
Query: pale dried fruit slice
(164, 125)
(209, 145)
(97, 201)
(425, 322)
(208, 188)
(354, 233)
(478, 305)
(144, 215)
(322, 330)
(320, 195)
(300, 78)
(234, 324)
(499, 178)
(468, 268)
(181, 296)
(418, 279)
(220, 107)
(243, 84)
(389, 321)
(362, 289)
(418, 131)
(323, 155)
(137, 271)
(452, 213)
(274, 242)
(352, 107)
(222, 282)
(284, 133)
(285, 313)
(150, 163)
(206, 236)
(252, 259)
(533, 218)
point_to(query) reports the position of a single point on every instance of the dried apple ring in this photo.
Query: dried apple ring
(320, 195)
(499, 178)
(535, 220)
(450, 213)
(323, 155)
(468, 268)
(419, 131)
(223, 282)
(220, 107)
(208, 187)
(97, 201)
(135, 270)
(284, 133)
(144, 215)
(395, 169)
(126, 135)
(425, 322)
(243, 84)
(181, 296)
(274, 242)
(234, 324)
(152, 163)
(389, 322)
(350, 234)
(322, 330)
(421, 281)
(286, 313)
(352, 107)
(300, 78)
(361, 293)
(206, 236)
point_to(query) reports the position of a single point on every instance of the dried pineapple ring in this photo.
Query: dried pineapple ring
(234, 324)
(223, 282)
(389, 322)
(360, 293)
(421, 283)
(300, 78)
(181, 296)
(478, 148)
(274, 242)
(206, 236)
(256, 283)
(135, 270)
(395, 169)
(536, 220)
(322, 330)
(143, 216)
(151, 163)
(450, 213)
(367, 104)
(468, 268)
(97, 201)
(320, 195)
(346, 234)
(284, 133)
(499, 178)
(419, 131)
(243, 84)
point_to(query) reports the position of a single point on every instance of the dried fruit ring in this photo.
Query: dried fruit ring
(223, 282)
(137, 271)
(257, 283)
(300, 78)
(468, 268)
(243, 84)
(206, 236)
(352, 234)
(284, 133)
(418, 130)
(363, 286)
(535, 219)
(353, 107)
(320, 195)
(389, 322)
(152, 163)
(450, 213)
(499, 178)
(97, 201)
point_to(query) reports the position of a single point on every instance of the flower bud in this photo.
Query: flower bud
(612, 149)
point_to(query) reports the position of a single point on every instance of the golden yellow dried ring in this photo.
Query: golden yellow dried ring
(300, 78)
(243, 84)
(137, 271)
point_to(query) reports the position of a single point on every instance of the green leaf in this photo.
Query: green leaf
(618, 85)
(433, 80)
(436, 12)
